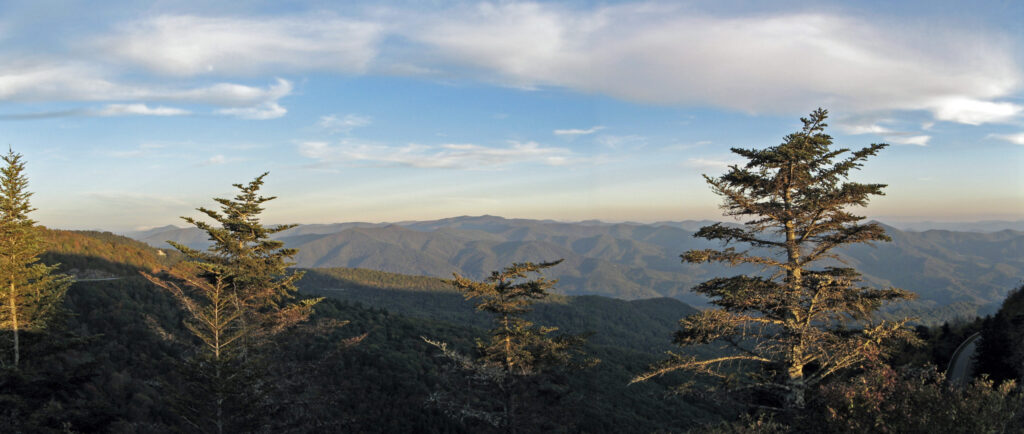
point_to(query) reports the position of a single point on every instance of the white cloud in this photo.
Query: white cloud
(78, 82)
(784, 62)
(446, 156)
(865, 129)
(1017, 139)
(579, 132)
(343, 124)
(229, 94)
(187, 45)
(919, 140)
(719, 164)
(662, 53)
(975, 112)
(216, 160)
(139, 109)
(269, 110)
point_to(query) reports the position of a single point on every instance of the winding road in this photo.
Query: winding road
(961, 366)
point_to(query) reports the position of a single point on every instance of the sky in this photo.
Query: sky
(132, 114)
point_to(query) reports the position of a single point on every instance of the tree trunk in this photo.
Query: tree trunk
(220, 398)
(796, 387)
(14, 325)
(510, 424)
(510, 408)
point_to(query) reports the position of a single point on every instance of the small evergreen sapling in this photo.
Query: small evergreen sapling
(515, 350)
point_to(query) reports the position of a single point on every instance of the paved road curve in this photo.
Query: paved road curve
(961, 366)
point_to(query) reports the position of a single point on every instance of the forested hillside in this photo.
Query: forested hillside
(955, 274)
(119, 361)
(114, 363)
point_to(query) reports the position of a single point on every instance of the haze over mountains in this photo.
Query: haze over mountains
(954, 273)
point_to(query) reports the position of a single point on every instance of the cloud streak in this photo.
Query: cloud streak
(1017, 139)
(578, 132)
(189, 45)
(446, 156)
(49, 82)
(907, 139)
(343, 124)
(139, 109)
(717, 164)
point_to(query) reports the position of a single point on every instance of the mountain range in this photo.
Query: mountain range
(953, 273)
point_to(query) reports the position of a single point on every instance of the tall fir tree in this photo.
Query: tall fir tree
(31, 292)
(792, 326)
(515, 351)
(238, 294)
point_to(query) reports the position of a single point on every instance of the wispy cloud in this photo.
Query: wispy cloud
(143, 150)
(685, 146)
(446, 156)
(918, 140)
(343, 124)
(215, 160)
(267, 110)
(109, 110)
(579, 132)
(718, 164)
(76, 82)
(186, 45)
(973, 111)
(139, 109)
(1017, 139)
(869, 128)
(870, 125)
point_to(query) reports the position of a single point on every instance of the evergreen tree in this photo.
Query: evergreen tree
(796, 324)
(516, 350)
(31, 292)
(238, 294)
(253, 266)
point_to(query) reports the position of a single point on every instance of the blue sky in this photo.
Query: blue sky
(132, 114)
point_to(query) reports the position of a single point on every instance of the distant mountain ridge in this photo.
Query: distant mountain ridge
(978, 226)
(955, 273)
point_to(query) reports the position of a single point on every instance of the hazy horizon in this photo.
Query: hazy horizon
(910, 224)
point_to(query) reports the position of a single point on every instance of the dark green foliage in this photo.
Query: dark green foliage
(130, 375)
(627, 336)
(1001, 351)
(637, 325)
(502, 385)
(789, 327)
(124, 378)
(915, 401)
(49, 393)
